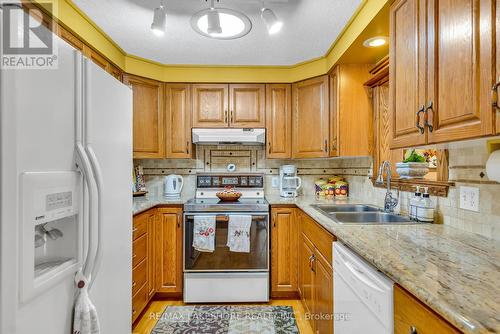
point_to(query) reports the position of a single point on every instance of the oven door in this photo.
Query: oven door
(223, 260)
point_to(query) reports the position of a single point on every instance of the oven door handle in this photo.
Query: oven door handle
(225, 218)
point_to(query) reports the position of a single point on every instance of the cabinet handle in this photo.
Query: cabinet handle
(312, 264)
(178, 220)
(134, 256)
(225, 116)
(133, 312)
(413, 330)
(494, 95)
(231, 117)
(274, 220)
(187, 146)
(269, 147)
(134, 284)
(420, 111)
(427, 109)
(326, 145)
(134, 230)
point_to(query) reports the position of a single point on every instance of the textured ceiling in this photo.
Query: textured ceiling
(310, 27)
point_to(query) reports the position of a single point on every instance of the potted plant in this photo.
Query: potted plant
(414, 166)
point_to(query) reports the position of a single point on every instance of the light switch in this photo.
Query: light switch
(275, 182)
(469, 198)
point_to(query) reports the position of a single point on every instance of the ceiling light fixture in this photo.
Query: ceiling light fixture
(159, 25)
(375, 42)
(272, 22)
(213, 20)
(221, 23)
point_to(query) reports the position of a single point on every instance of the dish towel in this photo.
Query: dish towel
(238, 233)
(85, 320)
(204, 233)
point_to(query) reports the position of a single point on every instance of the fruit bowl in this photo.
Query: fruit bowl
(228, 195)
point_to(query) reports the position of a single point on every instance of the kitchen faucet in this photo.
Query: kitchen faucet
(390, 202)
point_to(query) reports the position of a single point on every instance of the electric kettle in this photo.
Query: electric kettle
(172, 186)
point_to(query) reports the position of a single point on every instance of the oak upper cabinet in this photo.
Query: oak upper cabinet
(411, 316)
(311, 127)
(350, 109)
(279, 121)
(148, 129)
(210, 105)
(407, 72)
(169, 251)
(459, 57)
(441, 71)
(178, 121)
(284, 253)
(247, 105)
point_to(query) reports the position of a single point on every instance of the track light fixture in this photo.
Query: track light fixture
(272, 22)
(213, 19)
(159, 25)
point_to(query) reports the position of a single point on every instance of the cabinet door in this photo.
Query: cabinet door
(96, 57)
(284, 242)
(497, 62)
(334, 110)
(151, 282)
(311, 118)
(210, 106)
(279, 121)
(407, 72)
(247, 105)
(148, 117)
(306, 275)
(178, 121)
(460, 63)
(169, 251)
(409, 313)
(323, 295)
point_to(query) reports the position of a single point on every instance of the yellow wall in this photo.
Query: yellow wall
(74, 19)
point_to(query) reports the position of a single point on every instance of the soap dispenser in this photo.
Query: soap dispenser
(414, 202)
(425, 209)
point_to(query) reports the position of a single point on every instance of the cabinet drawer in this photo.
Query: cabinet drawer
(139, 301)
(411, 313)
(139, 276)
(321, 238)
(140, 226)
(139, 250)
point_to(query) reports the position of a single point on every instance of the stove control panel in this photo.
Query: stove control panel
(237, 181)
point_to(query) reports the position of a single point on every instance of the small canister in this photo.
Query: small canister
(341, 189)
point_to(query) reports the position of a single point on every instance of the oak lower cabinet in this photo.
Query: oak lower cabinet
(168, 251)
(411, 316)
(351, 118)
(284, 253)
(316, 274)
(441, 71)
(148, 120)
(178, 121)
(143, 261)
(279, 121)
(310, 118)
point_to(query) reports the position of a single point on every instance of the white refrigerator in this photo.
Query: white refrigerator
(66, 197)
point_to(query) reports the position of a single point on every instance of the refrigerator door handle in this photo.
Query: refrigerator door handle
(96, 168)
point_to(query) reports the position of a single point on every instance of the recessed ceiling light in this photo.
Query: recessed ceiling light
(273, 24)
(232, 24)
(159, 25)
(376, 42)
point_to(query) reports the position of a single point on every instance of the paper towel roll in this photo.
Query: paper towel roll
(493, 166)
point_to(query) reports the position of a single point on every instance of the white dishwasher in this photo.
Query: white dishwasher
(363, 296)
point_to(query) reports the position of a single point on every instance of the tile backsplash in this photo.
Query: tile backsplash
(466, 168)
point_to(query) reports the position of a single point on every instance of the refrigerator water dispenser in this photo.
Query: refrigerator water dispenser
(51, 229)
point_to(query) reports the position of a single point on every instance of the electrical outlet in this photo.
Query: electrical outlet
(469, 198)
(275, 181)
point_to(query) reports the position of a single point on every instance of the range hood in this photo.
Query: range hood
(229, 136)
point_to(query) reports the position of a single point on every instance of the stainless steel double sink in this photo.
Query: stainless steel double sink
(360, 214)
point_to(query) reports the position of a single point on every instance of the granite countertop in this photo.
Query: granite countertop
(150, 200)
(456, 273)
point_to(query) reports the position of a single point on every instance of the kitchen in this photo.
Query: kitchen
(288, 166)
